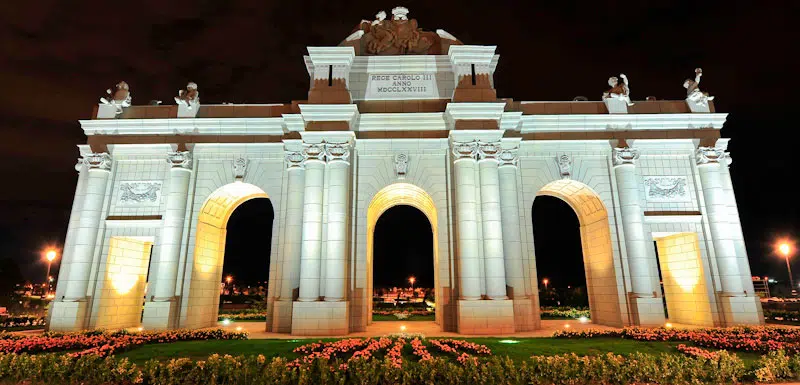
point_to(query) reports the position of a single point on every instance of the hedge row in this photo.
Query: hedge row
(565, 369)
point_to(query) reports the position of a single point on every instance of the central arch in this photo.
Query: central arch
(209, 251)
(409, 195)
(602, 283)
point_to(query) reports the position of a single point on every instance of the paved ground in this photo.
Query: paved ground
(428, 328)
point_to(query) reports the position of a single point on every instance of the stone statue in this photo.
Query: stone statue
(619, 91)
(190, 97)
(398, 36)
(120, 97)
(693, 93)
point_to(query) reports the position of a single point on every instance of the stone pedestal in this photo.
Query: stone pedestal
(106, 111)
(524, 319)
(185, 112)
(486, 317)
(741, 310)
(694, 106)
(616, 106)
(67, 316)
(160, 315)
(647, 311)
(320, 318)
(282, 316)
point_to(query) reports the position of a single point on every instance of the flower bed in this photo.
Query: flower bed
(636, 368)
(762, 339)
(564, 312)
(243, 316)
(103, 344)
(390, 349)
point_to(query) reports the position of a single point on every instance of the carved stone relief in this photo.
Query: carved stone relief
(666, 189)
(401, 165)
(139, 193)
(565, 166)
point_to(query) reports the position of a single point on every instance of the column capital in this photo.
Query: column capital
(708, 155)
(489, 150)
(314, 151)
(98, 161)
(625, 156)
(79, 164)
(337, 152)
(509, 157)
(465, 150)
(294, 159)
(180, 160)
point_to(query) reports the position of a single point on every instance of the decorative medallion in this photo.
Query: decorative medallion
(464, 150)
(401, 164)
(139, 193)
(666, 189)
(98, 161)
(565, 166)
(239, 168)
(180, 159)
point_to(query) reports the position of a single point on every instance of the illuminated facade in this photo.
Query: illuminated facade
(386, 123)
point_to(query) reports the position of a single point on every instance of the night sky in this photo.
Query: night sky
(58, 57)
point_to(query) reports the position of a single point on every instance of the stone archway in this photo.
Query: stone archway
(602, 282)
(410, 195)
(209, 251)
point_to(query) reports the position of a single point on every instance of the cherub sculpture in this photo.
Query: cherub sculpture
(190, 97)
(120, 97)
(693, 92)
(619, 91)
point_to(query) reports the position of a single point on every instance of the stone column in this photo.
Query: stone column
(293, 226)
(312, 223)
(174, 221)
(639, 259)
(338, 156)
(494, 258)
(77, 281)
(735, 223)
(509, 205)
(717, 211)
(74, 219)
(466, 205)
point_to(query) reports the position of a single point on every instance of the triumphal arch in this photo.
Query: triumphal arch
(397, 115)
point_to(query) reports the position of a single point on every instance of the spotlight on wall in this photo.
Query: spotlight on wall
(667, 325)
(226, 322)
(583, 320)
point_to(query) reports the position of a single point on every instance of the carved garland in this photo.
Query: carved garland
(666, 189)
(139, 193)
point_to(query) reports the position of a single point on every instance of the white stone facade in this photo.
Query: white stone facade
(159, 191)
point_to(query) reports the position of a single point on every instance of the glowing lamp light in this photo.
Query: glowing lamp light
(583, 320)
(51, 255)
(226, 322)
(238, 328)
(139, 328)
(784, 248)
(123, 283)
(566, 326)
(229, 279)
(668, 325)
(402, 328)
(508, 341)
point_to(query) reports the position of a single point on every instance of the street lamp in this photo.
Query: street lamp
(545, 282)
(411, 280)
(50, 256)
(786, 249)
(228, 281)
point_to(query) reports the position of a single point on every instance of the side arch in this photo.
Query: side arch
(209, 251)
(411, 195)
(602, 280)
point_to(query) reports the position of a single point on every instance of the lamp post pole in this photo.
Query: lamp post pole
(785, 249)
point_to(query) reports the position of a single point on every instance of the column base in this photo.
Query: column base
(486, 317)
(160, 315)
(282, 316)
(320, 318)
(524, 319)
(67, 316)
(741, 310)
(647, 311)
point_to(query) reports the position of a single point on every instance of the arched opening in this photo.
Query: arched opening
(403, 276)
(559, 258)
(598, 257)
(403, 194)
(209, 252)
(245, 268)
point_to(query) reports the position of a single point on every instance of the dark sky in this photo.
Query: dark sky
(58, 57)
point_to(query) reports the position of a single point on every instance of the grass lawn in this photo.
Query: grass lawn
(525, 348)
(381, 317)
